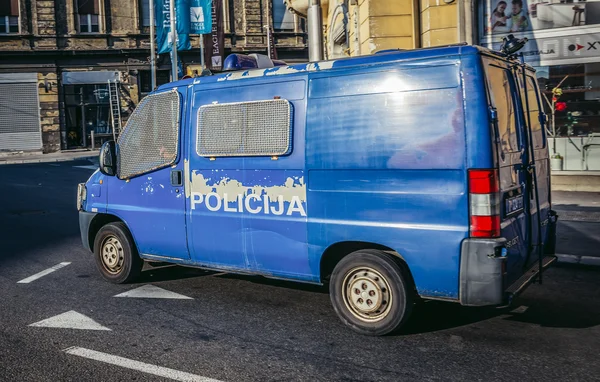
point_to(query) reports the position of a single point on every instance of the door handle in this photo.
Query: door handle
(176, 178)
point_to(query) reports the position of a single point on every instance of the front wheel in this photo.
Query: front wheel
(116, 255)
(370, 293)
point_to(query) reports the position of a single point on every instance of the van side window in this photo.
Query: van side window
(150, 138)
(534, 113)
(254, 128)
(501, 94)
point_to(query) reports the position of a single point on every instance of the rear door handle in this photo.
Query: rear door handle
(176, 178)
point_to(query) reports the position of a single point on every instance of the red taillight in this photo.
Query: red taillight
(485, 226)
(483, 181)
(484, 203)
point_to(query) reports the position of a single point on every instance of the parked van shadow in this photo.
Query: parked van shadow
(170, 272)
(277, 283)
(432, 316)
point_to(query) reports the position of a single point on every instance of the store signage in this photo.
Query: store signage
(540, 50)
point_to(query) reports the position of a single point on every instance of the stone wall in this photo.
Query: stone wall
(439, 23)
(49, 111)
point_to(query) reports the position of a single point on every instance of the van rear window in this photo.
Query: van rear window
(534, 113)
(501, 91)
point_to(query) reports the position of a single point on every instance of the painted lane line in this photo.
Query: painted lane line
(520, 310)
(151, 291)
(70, 320)
(90, 167)
(137, 365)
(43, 273)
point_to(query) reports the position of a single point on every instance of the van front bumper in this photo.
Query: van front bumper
(85, 220)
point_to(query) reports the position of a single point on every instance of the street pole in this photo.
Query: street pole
(152, 48)
(202, 53)
(268, 26)
(173, 40)
(315, 31)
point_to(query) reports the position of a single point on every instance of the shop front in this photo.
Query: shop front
(87, 107)
(564, 47)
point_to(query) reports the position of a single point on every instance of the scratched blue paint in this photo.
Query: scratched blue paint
(381, 144)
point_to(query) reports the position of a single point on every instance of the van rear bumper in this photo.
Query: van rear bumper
(482, 267)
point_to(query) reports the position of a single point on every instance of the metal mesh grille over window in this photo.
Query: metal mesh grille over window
(257, 128)
(149, 140)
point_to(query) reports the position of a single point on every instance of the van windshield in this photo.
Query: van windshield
(501, 90)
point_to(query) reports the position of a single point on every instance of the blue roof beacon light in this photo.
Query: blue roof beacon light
(238, 61)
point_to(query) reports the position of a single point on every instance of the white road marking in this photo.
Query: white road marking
(43, 273)
(520, 310)
(90, 167)
(70, 320)
(151, 291)
(137, 365)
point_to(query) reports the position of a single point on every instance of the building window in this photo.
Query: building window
(88, 16)
(283, 20)
(9, 16)
(145, 14)
(577, 108)
(145, 80)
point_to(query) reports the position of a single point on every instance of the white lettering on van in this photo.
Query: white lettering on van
(209, 205)
(230, 195)
(195, 201)
(251, 203)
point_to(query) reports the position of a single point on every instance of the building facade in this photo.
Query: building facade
(563, 45)
(58, 57)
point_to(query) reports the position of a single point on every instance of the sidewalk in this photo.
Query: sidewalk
(38, 157)
(578, 231)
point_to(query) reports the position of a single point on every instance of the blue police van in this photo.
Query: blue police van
(392, 178)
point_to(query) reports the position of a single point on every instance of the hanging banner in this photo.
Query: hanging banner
(163, 25)
(200, 16)
(214, 43)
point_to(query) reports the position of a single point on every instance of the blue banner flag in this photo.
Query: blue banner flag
(200, 16)
(163, 25)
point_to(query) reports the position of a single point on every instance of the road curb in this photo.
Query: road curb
(46, 160)
(576, 259)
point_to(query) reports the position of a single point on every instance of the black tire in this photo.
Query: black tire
(114, 241)
(371, 276)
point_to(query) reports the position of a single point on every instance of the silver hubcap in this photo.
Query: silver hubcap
(112, 255)
(367, 294)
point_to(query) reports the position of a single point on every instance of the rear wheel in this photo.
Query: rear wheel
(369, 292)
(116, 255)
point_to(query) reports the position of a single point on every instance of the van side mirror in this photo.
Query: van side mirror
(108, 158)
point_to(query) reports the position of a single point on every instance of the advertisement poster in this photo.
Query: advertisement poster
(163, 25)
(514, 16)
(214, 43)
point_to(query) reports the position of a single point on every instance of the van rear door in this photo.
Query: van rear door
(537, 153)
(511, 157)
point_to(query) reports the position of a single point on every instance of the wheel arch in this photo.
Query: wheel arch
(99, 221)
(336, 252)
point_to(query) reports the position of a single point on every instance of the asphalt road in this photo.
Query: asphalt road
(237, 328)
